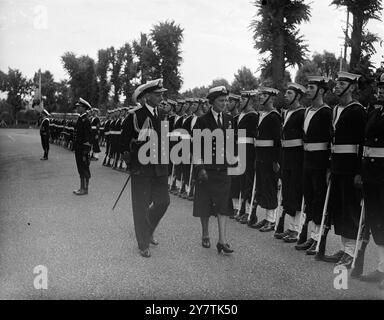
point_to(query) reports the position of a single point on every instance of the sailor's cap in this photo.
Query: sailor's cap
(268, 90)
(347, 76)
(296, 87)
(84, 103)
(218, 91)
(234, 97)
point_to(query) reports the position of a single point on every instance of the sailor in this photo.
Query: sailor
(45, 133)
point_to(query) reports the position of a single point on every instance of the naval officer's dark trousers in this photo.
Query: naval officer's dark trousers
(150, 200)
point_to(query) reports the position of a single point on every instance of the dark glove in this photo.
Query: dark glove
(202, 176)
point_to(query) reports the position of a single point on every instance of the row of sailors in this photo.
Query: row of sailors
(327, 159)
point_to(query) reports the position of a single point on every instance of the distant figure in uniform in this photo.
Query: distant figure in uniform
(45, 133)
(149, 184)
(95, 126)
(82, 146)
(213, 187)
(373, 181)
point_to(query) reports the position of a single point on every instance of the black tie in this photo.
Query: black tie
(155, 112)
(219, 123)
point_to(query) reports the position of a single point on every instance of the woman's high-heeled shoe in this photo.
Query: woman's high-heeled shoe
(206, 243)
(223, 247)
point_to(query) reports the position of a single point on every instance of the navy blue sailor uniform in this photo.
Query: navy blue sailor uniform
(268, 143)
(292, 161)
(95, 125)
(373, 174)
(82, 146)
(347, 139)
(107, 124)
(316, 138)
(212, 196)
(236, 179)
(149, 182)
(186, 167)
(178, 167)
(45, 134)
(249, 123)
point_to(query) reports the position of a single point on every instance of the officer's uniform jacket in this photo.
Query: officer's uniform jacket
(268, 138)
(292, 139)
(207, 121)
(373, 153)
(347, 139)
(82, 136)
(317, 139)
(45, 128)
(129, 141)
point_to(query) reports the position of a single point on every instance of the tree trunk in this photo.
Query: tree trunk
(277, 60)
(356, 39)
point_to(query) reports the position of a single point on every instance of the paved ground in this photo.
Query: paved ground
(91, 252)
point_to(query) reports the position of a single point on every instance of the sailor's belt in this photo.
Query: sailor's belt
(106, 133)
(101, 128)
(345, 148)
(94, 127)
(245, 140)
(292, 143)
(319, 146)
(114, 132)
(370, 152)
(264, 143)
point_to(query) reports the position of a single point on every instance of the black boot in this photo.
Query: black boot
(303, 235)
(252, 218)
(81, 191)
(279, 233)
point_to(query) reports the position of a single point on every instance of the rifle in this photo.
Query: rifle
(252, 197)
(239, 206)
(321, 243)
(121, 192)
(278, 216)
(363, 234)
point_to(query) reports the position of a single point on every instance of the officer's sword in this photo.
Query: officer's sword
(121, 192)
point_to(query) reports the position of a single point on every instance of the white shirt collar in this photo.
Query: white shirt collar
(215, 114)
(151, 109)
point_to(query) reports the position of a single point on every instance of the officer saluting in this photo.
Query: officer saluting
(82, 145)
(44, 134)
(149, 185)
(373, 181)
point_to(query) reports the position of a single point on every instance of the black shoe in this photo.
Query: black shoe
(240, 216)
(282, 235)
(145, 253)
(223, 247)
(375, 276)
(259, 224)
(269, 226)
(312, 250)
(244, 219)
(43, 158)
(205, 242)
(346, 261)
(292, 237)
(253, 219)
(306, 245)
(334, 258)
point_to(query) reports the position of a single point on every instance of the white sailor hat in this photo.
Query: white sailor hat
(248, 93)
(268, 90)
(172, 102)
(348, 77)
(150, 86)
(84, 103)
(320, 81)
(296, 87)
(215, 92)
(180, 101)
(234, 97)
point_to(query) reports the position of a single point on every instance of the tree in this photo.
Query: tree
(167, 38)
(116, 63)
(17, 87)
(276, 35)
(220, 82)
(63, 97)
(82, 74)
(102, 68)
(197, 92)
(244, 80)
(129, 73)
(362, 11)
(148, 62)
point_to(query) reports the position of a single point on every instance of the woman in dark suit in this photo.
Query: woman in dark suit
(213, 182)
